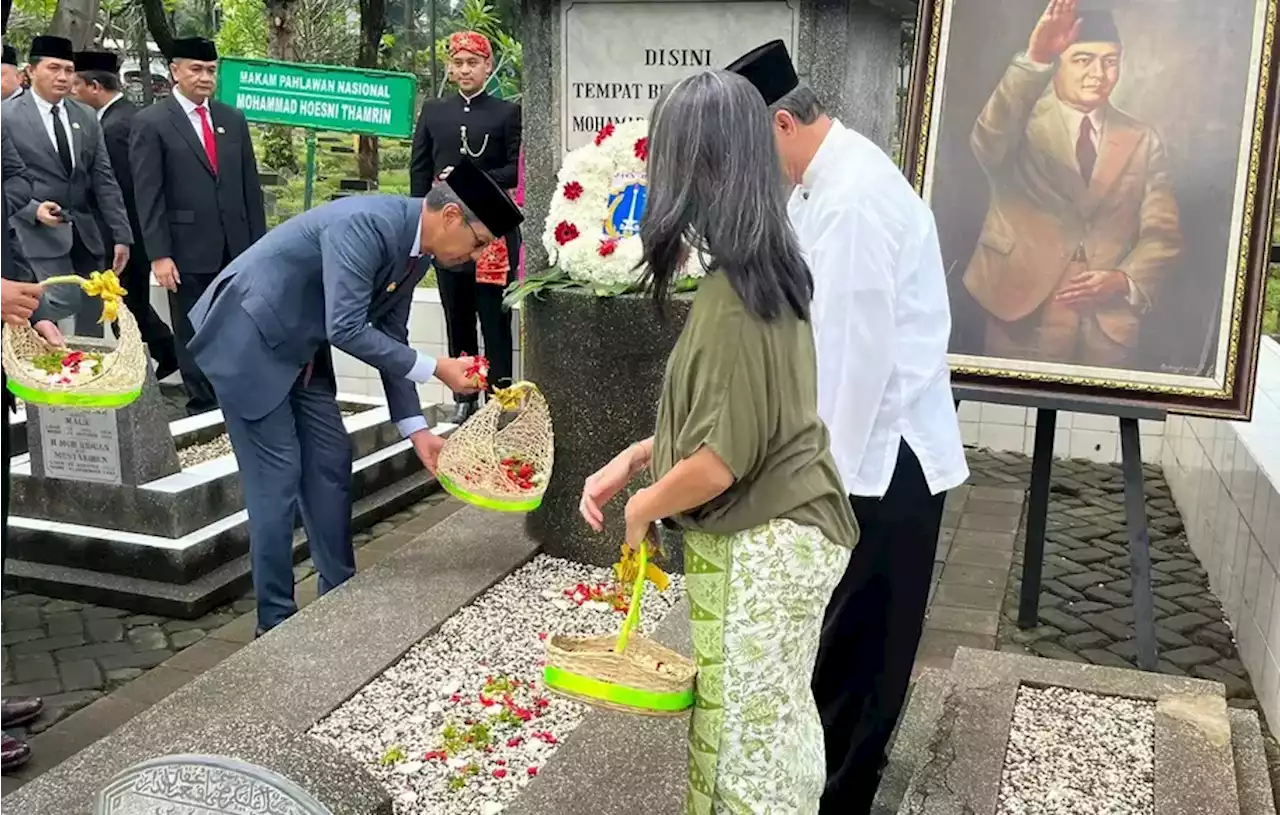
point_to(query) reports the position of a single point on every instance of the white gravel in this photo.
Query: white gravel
(395, 722)
(194, 454)
(1076, 753)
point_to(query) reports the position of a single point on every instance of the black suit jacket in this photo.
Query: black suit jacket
(117, 124)
(186, 211)
(493, 131)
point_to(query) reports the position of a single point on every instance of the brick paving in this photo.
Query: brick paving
(98, 667)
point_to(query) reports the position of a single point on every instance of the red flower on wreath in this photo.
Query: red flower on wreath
(642, 149)
(604, 133)
(565, 232)
(573, 191)
(607, 246)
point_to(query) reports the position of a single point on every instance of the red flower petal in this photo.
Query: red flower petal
(515, 741)
(642, 149)
(573, 191)
(501, 762)
(565, 232)
(533, 771)
(607, 247)
(604, 133)
(499, 773)
(542, 635)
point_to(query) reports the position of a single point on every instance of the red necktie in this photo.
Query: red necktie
(206, 135)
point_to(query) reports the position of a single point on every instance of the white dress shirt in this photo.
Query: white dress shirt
(46, 118)
(190, 108)
(103, 110)
(423, 369)
(881, 317)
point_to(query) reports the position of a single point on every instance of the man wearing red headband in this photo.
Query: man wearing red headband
(486, 130)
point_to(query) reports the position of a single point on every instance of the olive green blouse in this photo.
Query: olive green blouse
(748, 390)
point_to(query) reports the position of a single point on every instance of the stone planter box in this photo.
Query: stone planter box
(599, 361)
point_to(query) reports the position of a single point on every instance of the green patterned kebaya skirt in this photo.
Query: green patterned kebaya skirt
(757, 600)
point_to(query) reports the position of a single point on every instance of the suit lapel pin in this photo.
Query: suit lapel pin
(222, 130)
(391, 287)
(75, 125)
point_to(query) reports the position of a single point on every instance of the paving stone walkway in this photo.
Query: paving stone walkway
(98, 667)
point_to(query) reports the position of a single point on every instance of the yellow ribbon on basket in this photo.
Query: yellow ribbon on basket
(104, 285)
(510, 398)
(626, 569)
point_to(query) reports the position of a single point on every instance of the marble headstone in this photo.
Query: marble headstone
(128, 446)
(204, 785)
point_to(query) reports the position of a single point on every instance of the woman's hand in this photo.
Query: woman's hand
(605, 483)
(639, 525)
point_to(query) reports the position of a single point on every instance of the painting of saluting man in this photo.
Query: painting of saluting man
(1089, 165)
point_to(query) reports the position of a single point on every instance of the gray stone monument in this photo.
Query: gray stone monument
(592, 62)
(124, 447)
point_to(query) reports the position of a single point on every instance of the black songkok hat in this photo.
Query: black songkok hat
(769, 69)
(194, 48)
(104, 61)
(1097, 26)
(10, 56)
(53, 48)
(482, 195)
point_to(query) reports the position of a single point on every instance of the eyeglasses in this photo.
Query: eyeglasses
(480, 242)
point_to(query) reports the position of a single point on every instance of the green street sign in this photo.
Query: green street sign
(319, 97)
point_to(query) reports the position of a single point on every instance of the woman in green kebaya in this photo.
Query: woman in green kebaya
(739, 457)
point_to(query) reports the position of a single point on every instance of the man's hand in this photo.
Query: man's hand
(18, 300)
(121, 258)
(166, 273)
(1057, 28)
(428, 446)
(453, 373)
(49, 213)
(1091, 287)
(50, 332)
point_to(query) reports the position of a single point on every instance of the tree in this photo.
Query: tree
(373, 21)
(157, 17)
(74, 19)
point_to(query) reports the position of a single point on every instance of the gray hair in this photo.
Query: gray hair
(441, 195)
(802, 103)
(715, 185)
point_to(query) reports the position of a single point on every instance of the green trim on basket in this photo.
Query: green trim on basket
(527, 505)
(108, 401)
(585, 686)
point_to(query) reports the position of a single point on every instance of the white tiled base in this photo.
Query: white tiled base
(1224, 477)
(1078, 435)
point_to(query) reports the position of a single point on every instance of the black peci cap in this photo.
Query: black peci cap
(194, 48)
(46, 46)
(769, 69)
(104, 61)
(1097, 26)
(482, 195)
(10, 56)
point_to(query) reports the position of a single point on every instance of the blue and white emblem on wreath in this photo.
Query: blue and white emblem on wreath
(627, 197)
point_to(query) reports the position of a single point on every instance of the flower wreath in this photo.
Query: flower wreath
(592, 233)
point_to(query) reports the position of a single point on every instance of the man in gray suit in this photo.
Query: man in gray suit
(60, 142)
(341, 275)
(10, 79)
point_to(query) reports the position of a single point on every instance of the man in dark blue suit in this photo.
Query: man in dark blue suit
(341, 275)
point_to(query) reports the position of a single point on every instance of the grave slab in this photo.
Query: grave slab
(1253, 780)
(293, 676)
(596, 769)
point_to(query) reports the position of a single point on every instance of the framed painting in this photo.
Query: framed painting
(1102, 175)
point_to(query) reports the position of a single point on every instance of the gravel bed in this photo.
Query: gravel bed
(194, 454)
(1077, 753)
(437, 692)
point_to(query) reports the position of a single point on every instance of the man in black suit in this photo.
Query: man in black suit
(97, 84)
(196, 184)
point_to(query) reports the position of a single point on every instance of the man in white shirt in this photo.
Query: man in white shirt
(881, 322)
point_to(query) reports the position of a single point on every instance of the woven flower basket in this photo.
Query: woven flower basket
(502, 466)
(631, 672)
(119, 376)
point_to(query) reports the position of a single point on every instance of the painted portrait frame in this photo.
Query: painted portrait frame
(1244, 270)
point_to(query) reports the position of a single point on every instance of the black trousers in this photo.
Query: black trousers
(200, 396)
(464, 300)
(871, 632)
(9, 405)
(136, 280)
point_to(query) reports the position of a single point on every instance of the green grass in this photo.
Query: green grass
(1271, 305)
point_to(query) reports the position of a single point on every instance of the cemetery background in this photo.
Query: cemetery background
(1212, 501)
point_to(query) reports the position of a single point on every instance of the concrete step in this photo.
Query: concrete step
(1253, 780)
